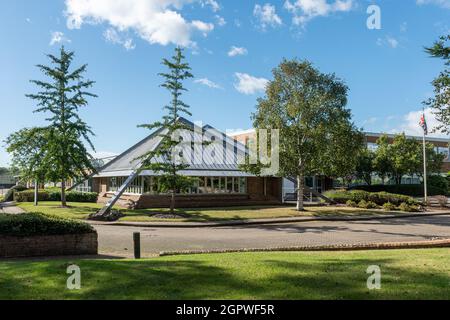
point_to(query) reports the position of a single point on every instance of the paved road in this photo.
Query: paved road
(117, 240)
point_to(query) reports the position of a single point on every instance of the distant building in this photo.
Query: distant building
(322, 183)
(7, 181)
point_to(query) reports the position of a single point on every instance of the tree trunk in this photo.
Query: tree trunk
(172, 203)
(300, 191)
(36, 193)
(63, 194)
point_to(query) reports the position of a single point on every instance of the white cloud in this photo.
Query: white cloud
(409, 124)
(267, 16)
(111, 35)
(204, 27)
(237, 51)
(404, 27)
(58, 37)
(248, 84)
(441, 3)
(220, 21)
(305, 10)
(208, 83)
(215, 6)
(155, 21)
(389, 41)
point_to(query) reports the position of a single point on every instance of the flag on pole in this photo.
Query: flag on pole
(423, 124)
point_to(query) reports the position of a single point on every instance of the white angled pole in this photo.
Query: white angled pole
(425, 168)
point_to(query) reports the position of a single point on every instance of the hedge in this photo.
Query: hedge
(9, 196)
(38, 224)
(379, 198)
(412, 190)
(72, 196)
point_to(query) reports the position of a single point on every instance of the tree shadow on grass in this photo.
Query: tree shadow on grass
(281, 276)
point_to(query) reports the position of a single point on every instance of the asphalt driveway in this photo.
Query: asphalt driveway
(117, 240)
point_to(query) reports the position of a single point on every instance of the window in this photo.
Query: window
(202, 185)
(216, 185)
(230, 185)
(242, 185)
(372, 146)
(236, 185)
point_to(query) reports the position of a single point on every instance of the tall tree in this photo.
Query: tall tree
(29, 155)
(163, 161)
(28, 151)
(440, 102)
(405, 157)
(402, 156)
(365, 166)
(61, 97)
(317, 136)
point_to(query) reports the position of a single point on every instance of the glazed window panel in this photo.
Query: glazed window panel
(202, 185)
(230, 185)
(242, 185)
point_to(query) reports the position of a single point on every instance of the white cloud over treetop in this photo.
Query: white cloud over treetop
(267, 16)
(248, 84)
(58, 37)
(155, 21)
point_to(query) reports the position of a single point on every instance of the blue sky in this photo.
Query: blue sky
(232, 47)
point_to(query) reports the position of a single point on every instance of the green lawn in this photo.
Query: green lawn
(82, 211)
(406, 274)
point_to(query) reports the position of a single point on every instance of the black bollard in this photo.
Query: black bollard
(137, 245)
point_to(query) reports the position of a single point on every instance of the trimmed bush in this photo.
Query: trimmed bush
(38, 224)
(9, 196)
(389, 206)
(412, 190)
(363, 204)
(28, 196)
(352, 204)
(408, 208)
(439, 182)
(379, 198)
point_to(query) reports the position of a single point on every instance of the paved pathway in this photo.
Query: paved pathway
(117, 240)
(10, 208)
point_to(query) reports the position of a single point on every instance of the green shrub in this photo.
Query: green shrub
(379, 198)
(412, 190)
(28, 196)
(438, 182)
(408, 208)
(389, 206)
(352, 204)
(9, 196)
(38, 224)
(363, 204)
(43, 195)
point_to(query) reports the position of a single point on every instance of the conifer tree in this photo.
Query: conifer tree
(163, 161)
(60, 98)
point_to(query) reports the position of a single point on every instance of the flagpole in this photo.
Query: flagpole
(425, 166)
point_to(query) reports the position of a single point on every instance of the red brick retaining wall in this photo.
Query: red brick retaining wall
(79, 244)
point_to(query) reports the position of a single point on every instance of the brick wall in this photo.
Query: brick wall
(16, 247)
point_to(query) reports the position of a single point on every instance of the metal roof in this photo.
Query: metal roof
(207, 161)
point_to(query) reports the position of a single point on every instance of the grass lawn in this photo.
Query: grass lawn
(406, 274)
(82, 211)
